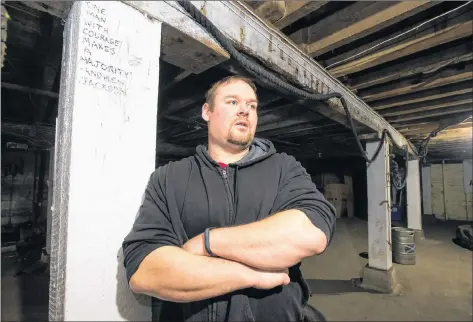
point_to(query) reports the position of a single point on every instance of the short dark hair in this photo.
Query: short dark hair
(210, 95)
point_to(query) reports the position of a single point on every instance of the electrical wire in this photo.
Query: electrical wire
(274, 81)
(395, 176)
(446, 124)
(270, 41)
(400, 35)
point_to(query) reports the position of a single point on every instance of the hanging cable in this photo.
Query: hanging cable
(275, 82)
(400, 35)
(423, 150)
(396, 180)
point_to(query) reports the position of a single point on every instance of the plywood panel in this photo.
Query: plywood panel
(454, 192)
(437, 190)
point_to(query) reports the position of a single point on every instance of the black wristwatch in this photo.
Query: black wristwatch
(207, 241)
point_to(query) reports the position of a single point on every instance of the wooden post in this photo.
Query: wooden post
(106, 147)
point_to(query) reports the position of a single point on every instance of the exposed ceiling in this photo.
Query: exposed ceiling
(410, 61)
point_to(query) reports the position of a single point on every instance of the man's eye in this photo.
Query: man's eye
(233, 102)
(253, 106)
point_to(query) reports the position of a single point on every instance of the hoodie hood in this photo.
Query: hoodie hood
(260, 149)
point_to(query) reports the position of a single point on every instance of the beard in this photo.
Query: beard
(238, 138)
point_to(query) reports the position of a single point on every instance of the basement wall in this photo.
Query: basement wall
(19, 189)
(450, 188)
(347, 171)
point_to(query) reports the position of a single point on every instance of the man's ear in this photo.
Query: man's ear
(205, 112)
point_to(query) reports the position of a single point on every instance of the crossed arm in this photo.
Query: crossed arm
(273, 244)
(252, 255)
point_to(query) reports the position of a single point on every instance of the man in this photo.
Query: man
(267, 213)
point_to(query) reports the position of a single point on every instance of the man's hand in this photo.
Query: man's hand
(262, 279)
(267, 280)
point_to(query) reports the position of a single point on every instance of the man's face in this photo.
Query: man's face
(233, 118)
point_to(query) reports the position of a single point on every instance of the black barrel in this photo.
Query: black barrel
(404, 246)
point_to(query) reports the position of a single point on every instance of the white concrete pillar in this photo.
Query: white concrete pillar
(379, 212)
(49, 213)
(106, 151)
(414, 209)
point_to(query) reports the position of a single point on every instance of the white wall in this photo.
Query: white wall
(451, 194)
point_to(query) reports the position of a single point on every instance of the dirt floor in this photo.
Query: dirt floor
(437, 288)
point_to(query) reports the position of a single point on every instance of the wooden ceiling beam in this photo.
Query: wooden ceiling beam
(438, 112)
(271, 10)
(337, 21)
(55, 8)
(357, 21)
(50, 77)
(426, 64)
(178, 105)
(399, 35)
(436, 120)
(286, 127)
(429, 105)
(426, 95)
(308, 131)
(297, 9)
(29, 90)
(440, 33)
(451, 75)
(430, 126)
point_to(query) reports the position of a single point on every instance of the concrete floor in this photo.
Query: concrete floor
(437, 288)
(24, 297)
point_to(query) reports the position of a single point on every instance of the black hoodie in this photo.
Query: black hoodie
(185, 197)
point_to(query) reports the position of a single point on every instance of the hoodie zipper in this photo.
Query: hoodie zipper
(213, 312)
(229, 195)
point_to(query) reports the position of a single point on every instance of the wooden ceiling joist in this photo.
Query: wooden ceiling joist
(339, 20)
(439, 33)
(296, 9)
(286, 132)
(441, 103)
(305, 130)
(421, 115)
(357, 21)
(450, 75)
(434, 120)
(271, 10)
(421, 130)
(427, 95)
(426, 64)
(55, 8)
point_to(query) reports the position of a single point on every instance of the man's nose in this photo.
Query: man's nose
(243, 109)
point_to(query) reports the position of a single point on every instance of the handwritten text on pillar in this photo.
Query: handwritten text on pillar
(100, 73)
